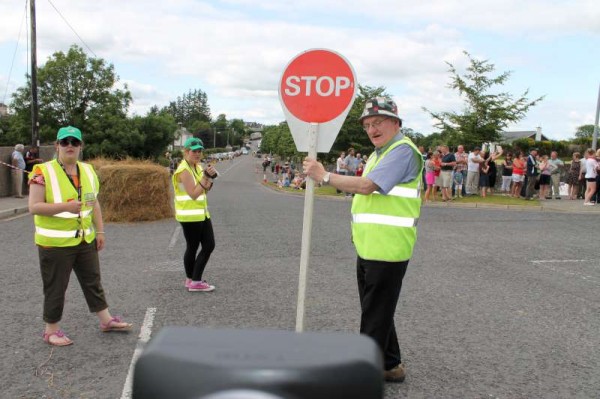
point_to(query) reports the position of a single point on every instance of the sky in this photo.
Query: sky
(236, 50)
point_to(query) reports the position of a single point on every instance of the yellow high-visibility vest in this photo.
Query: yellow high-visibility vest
(384, 227)
(186, 208)
(66, 229)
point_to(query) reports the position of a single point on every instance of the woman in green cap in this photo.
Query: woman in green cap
(69, 232)
(191, 184)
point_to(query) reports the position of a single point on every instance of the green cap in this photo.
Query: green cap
(68, 131)
(194, 143)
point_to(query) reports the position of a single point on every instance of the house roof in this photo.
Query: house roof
(511, 136)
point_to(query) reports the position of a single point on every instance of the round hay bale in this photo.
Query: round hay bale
(134, 192)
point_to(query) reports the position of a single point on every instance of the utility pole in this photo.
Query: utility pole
(595, 137)
(35, 125)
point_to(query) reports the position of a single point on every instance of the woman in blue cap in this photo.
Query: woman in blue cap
(191, 184)
(69, 232)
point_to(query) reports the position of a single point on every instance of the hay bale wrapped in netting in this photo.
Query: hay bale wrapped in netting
(134, 191)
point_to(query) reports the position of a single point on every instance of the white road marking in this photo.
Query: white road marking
(550, 265)
(562, 261)
(175, 236)
(144, 337)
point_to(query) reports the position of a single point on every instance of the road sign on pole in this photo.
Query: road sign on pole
(317, 86)
(316, 92)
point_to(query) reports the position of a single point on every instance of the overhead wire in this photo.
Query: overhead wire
(73, 29)
(12, 63)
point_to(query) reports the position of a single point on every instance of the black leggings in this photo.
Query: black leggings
(196, 234)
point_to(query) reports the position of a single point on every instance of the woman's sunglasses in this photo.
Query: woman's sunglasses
(71, 141)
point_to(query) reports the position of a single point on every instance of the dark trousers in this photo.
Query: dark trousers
(56, 264)
(530, 188)
(379, 285)
(196, 234)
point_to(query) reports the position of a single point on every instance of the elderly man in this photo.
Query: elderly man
(473, 161)
(18, 162)
(558, 167)
(532, 173)
(385, 211)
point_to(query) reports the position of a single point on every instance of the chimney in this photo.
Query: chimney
(538, 133)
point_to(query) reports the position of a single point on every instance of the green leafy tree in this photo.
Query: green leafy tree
(190, 108)
(72, 89)
(486, 113)
(584, 132)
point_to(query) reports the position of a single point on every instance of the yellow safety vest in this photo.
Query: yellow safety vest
(384, 227)
(66, 229)
(187, 209)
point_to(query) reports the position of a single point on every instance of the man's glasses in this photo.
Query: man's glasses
(71, 141)
(375, 124)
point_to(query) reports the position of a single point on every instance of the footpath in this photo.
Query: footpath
(11, 206)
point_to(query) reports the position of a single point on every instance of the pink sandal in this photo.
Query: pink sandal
(60, 334)
(110, 326)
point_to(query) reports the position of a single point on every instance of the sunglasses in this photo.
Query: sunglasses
(72, 141)
(196, 151)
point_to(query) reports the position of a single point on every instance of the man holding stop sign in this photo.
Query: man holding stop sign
(385, 212)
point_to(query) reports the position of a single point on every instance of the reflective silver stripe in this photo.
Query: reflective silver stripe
(88, 172)
(384, 219)
(402, 192)
(59, 233)
(188, 198)
(190, 212)
(69, 215)
(55, 187)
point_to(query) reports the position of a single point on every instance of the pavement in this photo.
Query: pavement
(11, 206)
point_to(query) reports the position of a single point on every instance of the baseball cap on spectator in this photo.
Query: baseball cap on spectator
(383, 106)
(68, 131)
(194, 143)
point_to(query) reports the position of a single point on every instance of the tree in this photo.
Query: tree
(72, 89)
(584, 132)
(485, 113)
(190, 108)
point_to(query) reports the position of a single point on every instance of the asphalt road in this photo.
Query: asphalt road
(495, 303)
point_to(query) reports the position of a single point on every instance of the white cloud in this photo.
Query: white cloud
(235, 50)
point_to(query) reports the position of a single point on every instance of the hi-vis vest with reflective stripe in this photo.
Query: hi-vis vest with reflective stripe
(187, 209)
(66, 229)
(384, 227)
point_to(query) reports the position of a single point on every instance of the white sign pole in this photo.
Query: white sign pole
(309, 198)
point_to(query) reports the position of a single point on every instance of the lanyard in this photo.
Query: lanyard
(77, 187)
(197, 176)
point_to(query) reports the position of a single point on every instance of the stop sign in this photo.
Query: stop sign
(317, 86)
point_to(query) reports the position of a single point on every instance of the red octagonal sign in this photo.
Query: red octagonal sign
(317, 86)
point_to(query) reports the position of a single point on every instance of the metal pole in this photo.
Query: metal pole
(595, 137)
(35, 136)
(309, 198)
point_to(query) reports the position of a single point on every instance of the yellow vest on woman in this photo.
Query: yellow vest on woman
(384, 227)
(66, 229)
(186, 208)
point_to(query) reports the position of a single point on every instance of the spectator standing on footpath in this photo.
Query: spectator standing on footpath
(507, 171)
(518, 176)
(555, 176)
(473, 161)
(591, 172)
(18, 162)
(532, 173)
(462, 160)
(69, 232)
(385, 211)
(32, 157)
(573, 176)
(546, 169)
(191, 184)
(447, 164)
